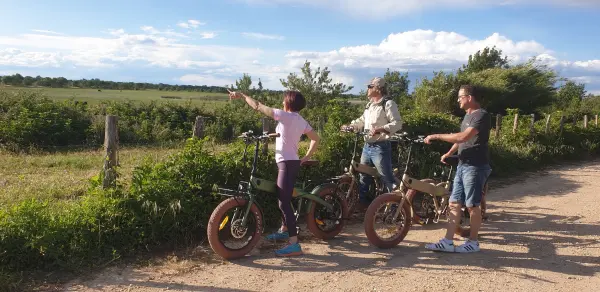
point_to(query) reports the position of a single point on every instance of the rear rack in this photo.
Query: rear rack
(241, 190)
(228, 192)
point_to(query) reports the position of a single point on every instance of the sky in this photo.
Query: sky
(216, 42)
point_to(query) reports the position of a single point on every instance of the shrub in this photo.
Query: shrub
(30, 119)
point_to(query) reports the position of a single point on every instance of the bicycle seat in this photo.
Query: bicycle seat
(310, 163)
(452, 160)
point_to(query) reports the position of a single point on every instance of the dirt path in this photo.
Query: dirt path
(543, 234)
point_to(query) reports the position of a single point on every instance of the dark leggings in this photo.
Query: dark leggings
(286, 177)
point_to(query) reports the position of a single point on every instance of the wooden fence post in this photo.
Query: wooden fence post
(516, 123)
(562, 123)
(547, 124)
(596, 120)
(111, 145)
(585, 122)
(198, 128)
(532, 126)
(319, 125)
(498, 124)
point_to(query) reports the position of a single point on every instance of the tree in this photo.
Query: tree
(569, 97)
(316, 87)
(397, 85)
(244, 83)
(489, 58)
(437, 95)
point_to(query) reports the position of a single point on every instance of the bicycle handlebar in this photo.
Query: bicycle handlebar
(249, 135)
(404, 136)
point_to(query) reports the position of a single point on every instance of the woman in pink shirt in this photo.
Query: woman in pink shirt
(291, 127)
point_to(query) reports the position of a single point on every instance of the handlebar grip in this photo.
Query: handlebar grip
(274, 135)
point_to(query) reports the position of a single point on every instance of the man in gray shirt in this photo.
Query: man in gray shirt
(472, 171)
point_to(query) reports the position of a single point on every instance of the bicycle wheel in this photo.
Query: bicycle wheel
(350, 191)
(324, 223)
(422, 204)
(381, 210)
(227, 236)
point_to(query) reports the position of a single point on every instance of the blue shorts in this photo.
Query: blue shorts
(468, 184)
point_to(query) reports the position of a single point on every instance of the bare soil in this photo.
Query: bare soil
(543, 234)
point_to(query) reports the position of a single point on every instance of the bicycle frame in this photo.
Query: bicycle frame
(247, 188)
(355, 167)
(441, 189)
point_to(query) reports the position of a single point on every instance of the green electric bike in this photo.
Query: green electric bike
(236, 224)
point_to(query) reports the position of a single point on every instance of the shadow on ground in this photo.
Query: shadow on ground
(527, 230)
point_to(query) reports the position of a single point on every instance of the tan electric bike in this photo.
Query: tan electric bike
(395, 211)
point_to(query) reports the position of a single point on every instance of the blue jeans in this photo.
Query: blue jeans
(468, 184)
(379, 155)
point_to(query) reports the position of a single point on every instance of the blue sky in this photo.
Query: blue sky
(215, 42)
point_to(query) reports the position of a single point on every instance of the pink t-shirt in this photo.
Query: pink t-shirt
(291, 126)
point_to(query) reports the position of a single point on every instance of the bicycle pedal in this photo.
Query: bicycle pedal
(319, 222)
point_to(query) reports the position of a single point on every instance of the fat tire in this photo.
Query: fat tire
(370, 214)
(213, 228)
(311, 224)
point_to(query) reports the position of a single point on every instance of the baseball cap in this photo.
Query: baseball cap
(377, 81)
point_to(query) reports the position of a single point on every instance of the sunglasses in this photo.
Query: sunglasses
(370, 86)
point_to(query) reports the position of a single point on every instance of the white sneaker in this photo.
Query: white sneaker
(468, 246)
(443, 245)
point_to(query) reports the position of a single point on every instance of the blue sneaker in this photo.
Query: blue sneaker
(278, 235)
(292, 249)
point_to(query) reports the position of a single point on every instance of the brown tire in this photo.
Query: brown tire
(370, 220)
(215, 220)
(332, 195)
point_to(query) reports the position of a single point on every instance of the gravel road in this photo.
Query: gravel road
(543, 234)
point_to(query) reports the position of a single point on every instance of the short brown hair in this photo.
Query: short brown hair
(294, 100)
(471, 90)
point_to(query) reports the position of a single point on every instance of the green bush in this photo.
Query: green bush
(29, 119)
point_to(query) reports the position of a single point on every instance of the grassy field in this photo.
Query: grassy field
(63, 175)
(93, 96)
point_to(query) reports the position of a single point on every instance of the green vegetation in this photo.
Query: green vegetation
(165, 200)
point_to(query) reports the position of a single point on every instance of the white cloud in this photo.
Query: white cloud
(260, 36)
(168, 32)
(195, 23)
(190, 23)
(387, 8)
(116, 31)
(208, 35)
(38, 50)
(46, 31)
(196, 79)
(418, 49)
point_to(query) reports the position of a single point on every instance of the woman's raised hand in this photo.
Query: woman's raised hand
(234, 94)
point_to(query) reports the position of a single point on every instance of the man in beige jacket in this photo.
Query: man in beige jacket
(382, 119)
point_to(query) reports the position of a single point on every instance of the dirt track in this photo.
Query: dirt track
(543, 234)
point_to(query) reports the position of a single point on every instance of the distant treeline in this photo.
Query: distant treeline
(19, 80)
(61, 82)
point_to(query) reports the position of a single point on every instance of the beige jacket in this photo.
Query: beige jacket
(376, 116)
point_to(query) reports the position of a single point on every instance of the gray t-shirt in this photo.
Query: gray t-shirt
(475, 151)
